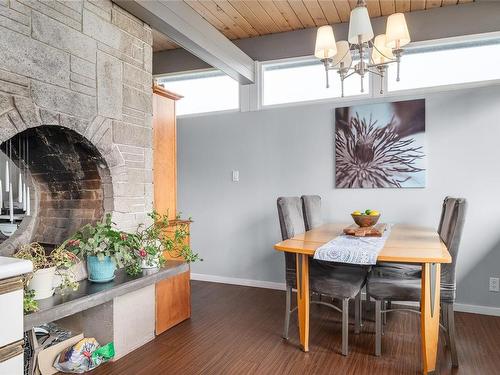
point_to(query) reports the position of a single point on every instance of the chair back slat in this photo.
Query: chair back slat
(290, 215)
(291, 223)
(450, 230)
(311, 209)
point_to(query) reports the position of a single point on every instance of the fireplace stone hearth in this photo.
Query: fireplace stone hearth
(81, 88)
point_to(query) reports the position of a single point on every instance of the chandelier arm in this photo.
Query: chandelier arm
(383, 64)
(350, 74)
(375, 72)
(391, 59)
(340, 60)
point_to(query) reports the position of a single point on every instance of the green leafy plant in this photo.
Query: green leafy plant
(150, 242)
(29, 303)
(59, 258)
(101, 239)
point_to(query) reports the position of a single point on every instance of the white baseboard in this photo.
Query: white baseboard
(462, 307)
(475, 309)
(237, 281)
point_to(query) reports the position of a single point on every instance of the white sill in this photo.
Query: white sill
(346, 99)
(442, 88)
(199, 114)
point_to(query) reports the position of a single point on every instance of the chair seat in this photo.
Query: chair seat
(332, 279)
(402, 269)
(394, 287)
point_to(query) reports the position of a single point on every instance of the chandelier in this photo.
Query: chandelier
(361, 53)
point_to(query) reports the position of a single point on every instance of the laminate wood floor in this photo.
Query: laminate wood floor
(237, 330)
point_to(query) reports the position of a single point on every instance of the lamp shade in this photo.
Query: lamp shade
(343, 54)
(397, 31)
(325, 43)
(380, 52)
(360, 25)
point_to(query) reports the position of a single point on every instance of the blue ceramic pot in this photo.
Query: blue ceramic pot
(100, 271)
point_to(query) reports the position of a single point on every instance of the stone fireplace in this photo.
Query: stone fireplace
(68, 175)
(75, 79)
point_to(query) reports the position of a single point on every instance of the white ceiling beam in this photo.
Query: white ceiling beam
(188, 29)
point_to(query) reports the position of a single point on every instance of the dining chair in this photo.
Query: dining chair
(313, 218)
(324, 278)
(406, 287)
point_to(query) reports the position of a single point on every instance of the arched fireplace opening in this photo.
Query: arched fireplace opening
(69, 179)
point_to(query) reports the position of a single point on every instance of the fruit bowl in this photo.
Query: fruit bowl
(364, 220)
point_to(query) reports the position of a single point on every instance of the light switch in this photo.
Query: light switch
(236, 176)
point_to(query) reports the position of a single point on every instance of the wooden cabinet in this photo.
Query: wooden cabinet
(173, 295)
(165, 151)
(173, 302)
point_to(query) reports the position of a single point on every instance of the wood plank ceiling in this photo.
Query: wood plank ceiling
(238, 19)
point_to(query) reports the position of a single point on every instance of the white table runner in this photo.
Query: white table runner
(353, 250)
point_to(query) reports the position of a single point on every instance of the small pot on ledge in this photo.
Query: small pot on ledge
(100, 270)
(42, 283)
(150, 263)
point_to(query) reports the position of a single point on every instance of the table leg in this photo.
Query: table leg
(303, 299)
(429, 305)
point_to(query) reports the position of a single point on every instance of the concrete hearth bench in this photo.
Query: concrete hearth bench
(122, 310)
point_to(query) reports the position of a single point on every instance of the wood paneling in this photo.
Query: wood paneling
(387, 7)
(302, 13)
(164, 152)
(173, 297)
(161, 42)
(226, 7)
(226, 19)
(316, 12)
(417, 5)
(343, 9)
(329, 10)
(274, 13)
(237, 330)
(248, 18)
(258, 24)
(288, 14)
(403, 5)
(173, 302)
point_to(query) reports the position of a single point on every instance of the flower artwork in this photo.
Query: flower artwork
(380, 145)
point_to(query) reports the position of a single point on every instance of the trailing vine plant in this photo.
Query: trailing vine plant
(150, 242)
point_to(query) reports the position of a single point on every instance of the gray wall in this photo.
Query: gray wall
(465, 19)
(289, 151)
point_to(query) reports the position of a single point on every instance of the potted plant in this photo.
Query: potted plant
(150, 242)
(46, 267)
(104, 247)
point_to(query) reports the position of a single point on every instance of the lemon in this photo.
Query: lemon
(356, 213)
(374, 213)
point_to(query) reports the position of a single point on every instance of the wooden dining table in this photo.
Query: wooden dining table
(405, 244)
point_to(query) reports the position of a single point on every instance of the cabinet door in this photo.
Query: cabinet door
(164, 156)
(173, 301)
(11, 317)
(13, 366)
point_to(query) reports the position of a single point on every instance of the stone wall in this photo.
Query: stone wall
(84, 65)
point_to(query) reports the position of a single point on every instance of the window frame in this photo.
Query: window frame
(261, 83)
(443, 44)
(158, 77)
(374, 89)
(251, 96)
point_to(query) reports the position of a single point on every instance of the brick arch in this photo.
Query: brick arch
(19, 114)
